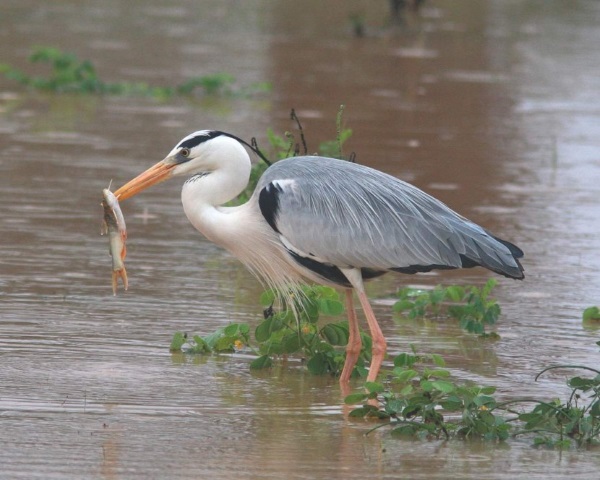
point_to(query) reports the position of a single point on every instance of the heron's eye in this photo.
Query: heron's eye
(184, 152)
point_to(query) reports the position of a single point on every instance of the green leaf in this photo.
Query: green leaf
(438, 360)
(335, 334)
(437, 295)
(581, 383)
(402, 305)
(330, 307)
(452, 404)
(486, 400)
(443, 386)
(261, 362)
(404, 431)
(318, 364)
(408, 390)
(355, 398)
(291, 343)
(403, 375)
(311, 309)
(488, 287)
(591, 313)
(404, 360)
(231, 330)
(268, 297)
(267, 327)
(179, 338)
(200, 346)
(427, 385)
(488, 390)
(455, 293)
(212, 339)
(360, 412)
(491, 314)
(439, 373)
(329, 293)
(487, 418)
(263, 330)
(244, 329)
(393, 405)
(224, 344)
(374, 387)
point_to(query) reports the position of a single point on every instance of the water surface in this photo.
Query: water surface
(490, 106)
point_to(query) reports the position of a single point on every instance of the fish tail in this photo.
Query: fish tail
(122, 274)
(115, 277)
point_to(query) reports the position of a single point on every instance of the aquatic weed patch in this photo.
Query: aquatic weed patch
(472, 306)
(69, 74)
(282, 333)
(421, 400)
(296, 330)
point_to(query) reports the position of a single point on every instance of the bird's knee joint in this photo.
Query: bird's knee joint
(379, 348)
(353, 348)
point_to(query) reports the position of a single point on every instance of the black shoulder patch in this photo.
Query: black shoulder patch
(268, 201)
(196, 140)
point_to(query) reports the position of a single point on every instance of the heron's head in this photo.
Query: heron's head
(201, 152)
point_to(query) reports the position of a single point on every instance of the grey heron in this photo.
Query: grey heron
(323, 220)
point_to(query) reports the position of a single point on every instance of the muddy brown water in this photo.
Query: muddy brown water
(491, 106)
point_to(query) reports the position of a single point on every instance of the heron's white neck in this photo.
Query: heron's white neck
(241, 230)
(203, 193)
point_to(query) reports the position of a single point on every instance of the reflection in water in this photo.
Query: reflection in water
(488, 105)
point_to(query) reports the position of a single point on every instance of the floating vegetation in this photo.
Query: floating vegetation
(471, 306)
(69, 74)
(421, 400)
(281, 334)
(591, 314)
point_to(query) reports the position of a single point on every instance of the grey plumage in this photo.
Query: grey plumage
(349, 215)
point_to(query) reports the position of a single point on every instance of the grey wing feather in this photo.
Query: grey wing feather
(350, 215)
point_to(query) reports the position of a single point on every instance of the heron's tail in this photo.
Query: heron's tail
(517, 253)
(506, 265)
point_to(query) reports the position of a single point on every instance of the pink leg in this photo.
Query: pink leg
(354, 341)
(379, 343)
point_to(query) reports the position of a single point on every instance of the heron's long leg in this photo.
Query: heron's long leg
(354, 276)
(354, 341)
(379, 343)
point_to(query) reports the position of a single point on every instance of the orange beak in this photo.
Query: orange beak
(156, 174)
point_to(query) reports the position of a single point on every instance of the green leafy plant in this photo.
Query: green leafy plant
(425, 390)
(333, 148)
(591, 314)
(281, 334)
(577, 420)
(471, 306)
(422, 400)
(69, 74)
(286, 145)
